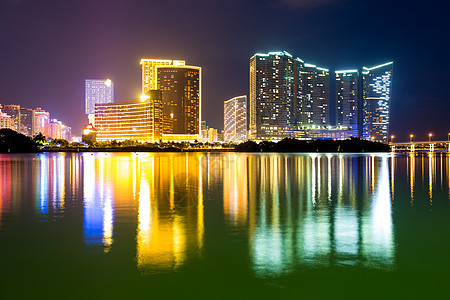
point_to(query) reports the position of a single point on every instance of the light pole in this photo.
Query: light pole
(411, 137)
(392, 139)
(448, 138)
(429, 137)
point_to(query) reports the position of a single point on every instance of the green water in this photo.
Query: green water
(224, 226)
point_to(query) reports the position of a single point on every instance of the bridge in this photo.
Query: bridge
(429, 146)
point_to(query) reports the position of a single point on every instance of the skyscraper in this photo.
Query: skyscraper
(149, 81)
(26, 121)
(235, 119)
(313, 92)
(271, 95)
(377, 85)
(347, 100)
(41, 122)
(14, 112)
(181, 98)
(137, 119)
(5, 120)
(97, 91)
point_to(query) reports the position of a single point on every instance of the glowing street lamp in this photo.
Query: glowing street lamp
(448, 138)
(429, 137)
(392, 138)
(410, 138)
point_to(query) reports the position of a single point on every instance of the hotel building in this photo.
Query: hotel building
(149, 75)
(235, 119)
(312, 94)
(26, 121)
(181, 101)
(5, 120)
(14, 112)
(347, 100)
(97, 91)
(377, 82)
(137, 119)
(41, 122)
(271, 95)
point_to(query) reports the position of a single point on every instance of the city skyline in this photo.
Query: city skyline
(106, 46)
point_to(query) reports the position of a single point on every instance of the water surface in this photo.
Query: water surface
(226, 225)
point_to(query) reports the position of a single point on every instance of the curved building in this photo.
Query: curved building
(138, 119)
(377, 83)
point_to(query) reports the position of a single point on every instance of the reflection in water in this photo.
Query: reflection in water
(98, 204)
(292, 211)
(325, 226)
(171, 225)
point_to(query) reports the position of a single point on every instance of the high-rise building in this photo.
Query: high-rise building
(377, 87)
(271, 95)
(235, 119)
(66, 133)
(313, 94)
(181, 99)
(98, 91)
(41, 122)
(347, 100)
(149, 81)
(5, 120)
(137, 119)
(26, 121)
(55, 129)
(14, 112)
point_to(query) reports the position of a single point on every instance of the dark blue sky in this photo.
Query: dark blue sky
(48, 48)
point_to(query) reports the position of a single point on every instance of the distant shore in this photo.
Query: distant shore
(13, 142)
(285, 145)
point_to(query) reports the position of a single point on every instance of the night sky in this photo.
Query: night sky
(48, 48)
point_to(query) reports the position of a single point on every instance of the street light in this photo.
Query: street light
(448, 140)
(429, 137)
(392, 138)
(411, 137)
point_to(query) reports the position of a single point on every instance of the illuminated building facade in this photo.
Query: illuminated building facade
(41, 123)
(66, 132)
(55, 129)
(26, 121)
(137, 119)
(312, 95)
(14, 112)
(181, 99)
(97, 91)
(5, 120)
(149, 81)
(377, 83)
(271, 95)
(235, 119)
(347, 100)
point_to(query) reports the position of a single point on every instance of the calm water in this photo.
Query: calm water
(213, 226)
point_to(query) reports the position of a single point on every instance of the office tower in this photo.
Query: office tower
(377, 86)
(347, 100)
(14, 112)
(149, 81)
(97, 91)
(271, 95)
(235, 119)
(181, 99)
(26, 121)
(312, 95)
(137, 119)
(41, 122)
